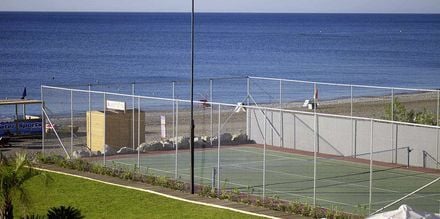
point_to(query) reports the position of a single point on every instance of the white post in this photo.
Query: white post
(371, 165)
(90, 118)
(394, 156)
(71, 122)
(139, 134)
(43, 122)
(248, 114)
(210, 100)
(174, 112)
(281, 115)
(264, 154)
(218, 149)
(132, 102)
(314, 157)
(105, 118)
(353, 143)
(315, 143)
(176, 167)
(438, 106)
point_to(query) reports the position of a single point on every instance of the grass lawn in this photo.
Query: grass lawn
(97, 200)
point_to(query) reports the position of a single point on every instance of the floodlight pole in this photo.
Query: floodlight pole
(192, 98)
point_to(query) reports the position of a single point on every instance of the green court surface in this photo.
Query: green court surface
(339, 184)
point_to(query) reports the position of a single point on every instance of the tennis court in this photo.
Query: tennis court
(289, 176)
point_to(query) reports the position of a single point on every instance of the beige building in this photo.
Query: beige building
(115, 129)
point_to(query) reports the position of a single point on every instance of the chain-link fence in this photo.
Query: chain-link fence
(355, 164)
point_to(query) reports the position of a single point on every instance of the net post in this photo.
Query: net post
(371, 165)
(424, 158)
(71, 122)
(264, 154)
(218, 149)
(213, 177)
(409, 150)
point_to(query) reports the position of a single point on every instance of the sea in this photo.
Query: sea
(112, 51)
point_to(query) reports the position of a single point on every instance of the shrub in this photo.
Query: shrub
(63, 212)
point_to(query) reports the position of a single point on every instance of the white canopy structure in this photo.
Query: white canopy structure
(404, 212)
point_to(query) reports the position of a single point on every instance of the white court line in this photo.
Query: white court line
(158, 193)
(420, 196)
(281, 192)
(309, 177)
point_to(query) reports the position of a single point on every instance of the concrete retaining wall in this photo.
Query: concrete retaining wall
(346, 137)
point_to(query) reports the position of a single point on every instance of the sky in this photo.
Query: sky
(265, 6)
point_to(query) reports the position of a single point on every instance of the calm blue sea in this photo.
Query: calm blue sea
(120, 48)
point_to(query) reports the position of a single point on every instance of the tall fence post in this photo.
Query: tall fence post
(438, 106)
(174, 111)
(139, 134)
(71, 122)
(394, 155)
(264, 154)
(371, 166)
(89, 122)
(353, 143)
(43, 123)
(176, 165)
(248, 114)
(105, 118)
(281, 115)
(132, 102)
(211, 110)
(218, 149)
(315, 143)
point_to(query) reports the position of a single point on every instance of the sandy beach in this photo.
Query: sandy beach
(231, 122)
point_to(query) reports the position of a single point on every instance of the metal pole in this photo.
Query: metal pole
(281, 115)
(71, 122)
(176, 170)
(174, 112)
(314, 158)
(351, 100)
(394, 158)
(353, 150)
(43, 123)
(139, 133)
(371, 166)
(264, 154)
(89, 135)
(218, 149)
(132, 101)
(192, 98)
(315, 144)
(105, 114)
(438, 106)
(248, 114)
(210, 99)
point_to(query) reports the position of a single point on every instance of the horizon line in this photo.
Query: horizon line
(213, 12)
